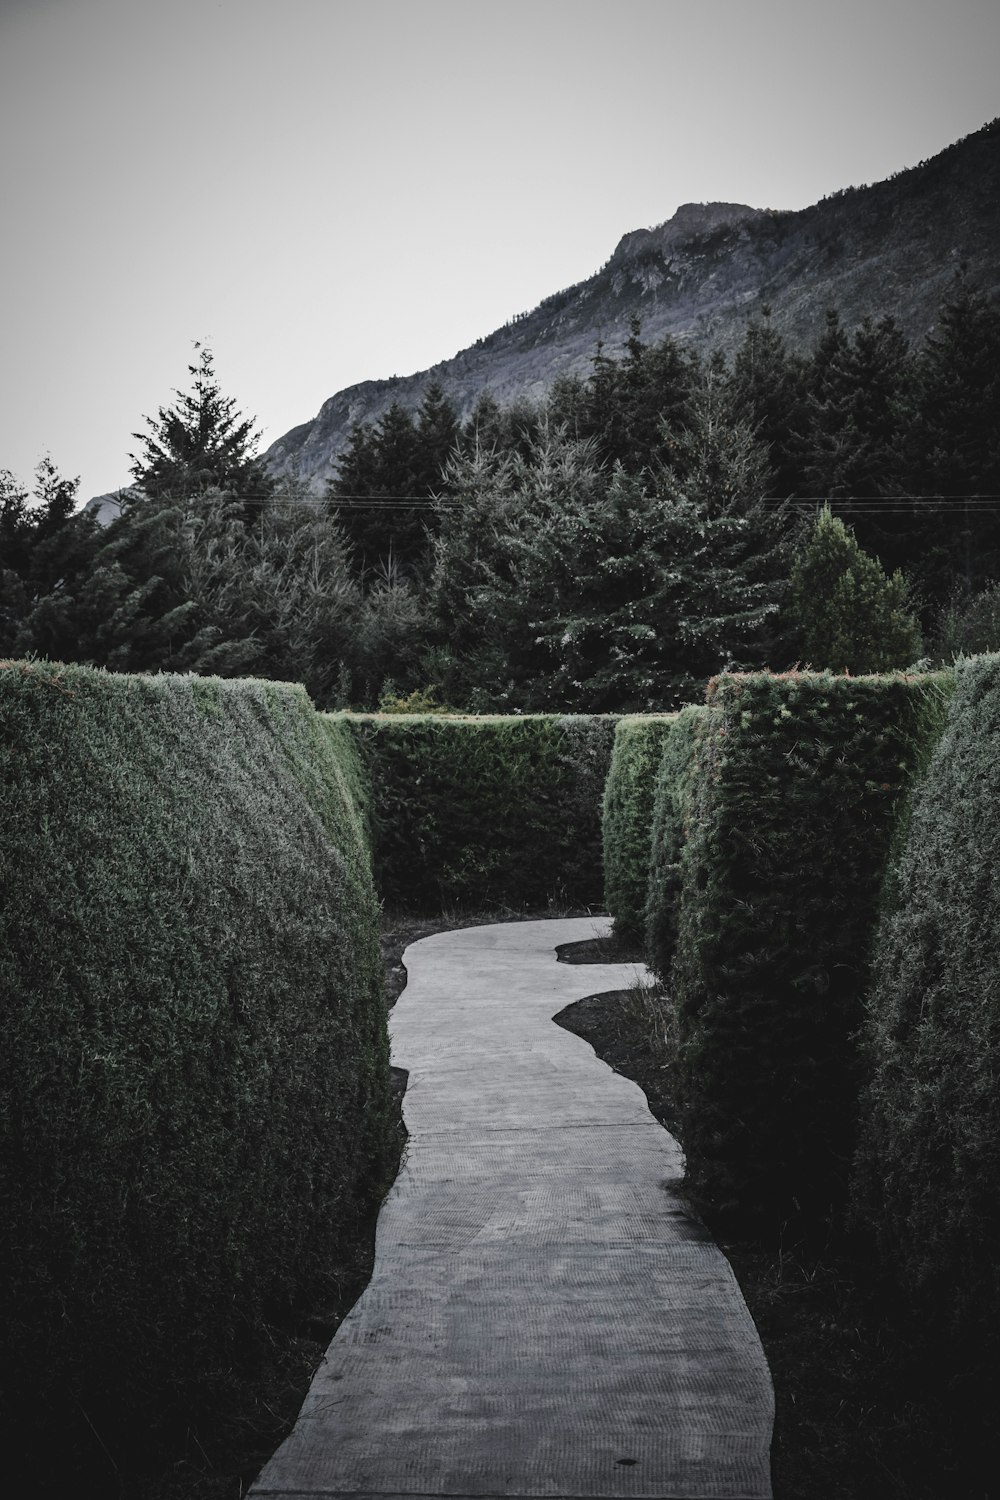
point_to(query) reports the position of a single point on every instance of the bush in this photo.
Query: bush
(488, 812)
(798, 782)
(627, 819)
(671, 798)
(194, 1101)
(970, 624)
(419, 701)
(928, 1171)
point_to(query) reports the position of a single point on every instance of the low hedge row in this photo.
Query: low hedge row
(627, 816)
(484, 812)
(928, 1172)
(798, 781)
(194, 1102)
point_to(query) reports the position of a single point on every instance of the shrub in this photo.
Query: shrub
(798, 781)
(194, 1095)
(470, 812)
(671, 798)
(970, 624)
(928, 1170)
(627, 818)
(419, 701)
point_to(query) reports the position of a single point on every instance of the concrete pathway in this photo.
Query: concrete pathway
(543, 1319)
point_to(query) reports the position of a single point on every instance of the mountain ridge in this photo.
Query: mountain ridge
(703, 275)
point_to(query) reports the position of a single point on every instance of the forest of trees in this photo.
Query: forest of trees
(659, 520)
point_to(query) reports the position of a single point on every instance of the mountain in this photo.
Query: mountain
(892, 247)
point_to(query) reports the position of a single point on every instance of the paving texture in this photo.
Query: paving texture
(544, 1318)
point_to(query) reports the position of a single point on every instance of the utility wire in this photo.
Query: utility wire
(870, 503)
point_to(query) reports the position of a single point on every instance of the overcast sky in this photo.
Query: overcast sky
(329, 191)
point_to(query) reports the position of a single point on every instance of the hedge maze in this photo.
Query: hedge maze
(194, 1099)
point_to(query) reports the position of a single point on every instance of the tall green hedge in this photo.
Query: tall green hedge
(484, 812)
(928, 1178)
(799, 780)
(194, 1105)
(628, 816)
(669, 829)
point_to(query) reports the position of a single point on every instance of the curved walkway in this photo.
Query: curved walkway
(543, 1318)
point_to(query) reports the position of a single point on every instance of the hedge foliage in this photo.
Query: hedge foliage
(194, 1103)
(485, 812)
(928, 1176)
(627, 818)
(671, 800)
(798, 782)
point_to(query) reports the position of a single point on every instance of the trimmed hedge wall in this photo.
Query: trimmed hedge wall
(484, 812)
(928, 1178)
(671, 798)
(628, 816)
(194, 1102)
(799, 779)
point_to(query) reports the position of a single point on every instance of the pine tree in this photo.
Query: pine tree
(130, 606)
(657, 384)
(199, 443)
(955, 441)
(858, 413)
(849, 616)
(42, 541)
(658, 595)
(437, 436)
(398, 464)
(716, 456)
(767, 389)
(512, 428)
(490, 567)
(560, 587)
(957, 434)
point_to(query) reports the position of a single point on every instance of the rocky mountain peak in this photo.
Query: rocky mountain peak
(689, 222)
(703, 275)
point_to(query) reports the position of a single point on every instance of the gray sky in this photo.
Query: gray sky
(329, 191)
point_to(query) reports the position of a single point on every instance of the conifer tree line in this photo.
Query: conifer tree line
(662, 518)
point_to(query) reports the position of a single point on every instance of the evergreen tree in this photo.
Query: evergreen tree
(767, 385)
(437, 435)
(565, 405)
(15, 552)
(668, 580)
(508, 429)
(603, 412)
(486, 578)
(15, 524)
(657, 592)
(560, 587)
(658, 382)
(858, 412)
(957, 433)
(716, 456)
(41, 540)
(199, 443)
(128, 604)
(849, 616)
(398, 464)
(955, 442)
(380, 464)
(189, 585)
(625, 405)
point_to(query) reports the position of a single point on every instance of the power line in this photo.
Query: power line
(861, 504)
